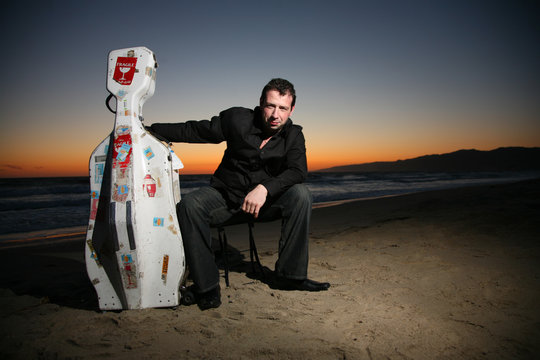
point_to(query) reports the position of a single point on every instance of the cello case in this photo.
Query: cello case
(134, 252)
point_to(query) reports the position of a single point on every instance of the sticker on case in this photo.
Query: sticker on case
(125, 70)
(99, 169)
(93, 209)
(121, 192)
(123, 130)
(165, 267)
(148, 153)
(123, 152)
(149, 186)
(129, 271)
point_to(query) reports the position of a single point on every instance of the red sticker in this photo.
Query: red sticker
(122, 151)
(125, 70)
(149, 184)
(93, 210)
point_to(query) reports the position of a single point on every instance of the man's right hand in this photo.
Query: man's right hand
(254, 200)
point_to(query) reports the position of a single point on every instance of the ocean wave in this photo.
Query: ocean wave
(41, 204)
(21, 188)
(13, 204)
(15, 221)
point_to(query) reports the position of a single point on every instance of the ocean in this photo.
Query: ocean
(38, 204)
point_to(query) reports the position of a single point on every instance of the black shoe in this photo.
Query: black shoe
(210, 299)
(302, 285)
(188, 295)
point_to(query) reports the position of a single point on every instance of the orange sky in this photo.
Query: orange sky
(61, 146)
(46, 161)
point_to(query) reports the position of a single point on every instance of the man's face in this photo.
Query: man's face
(276, 109)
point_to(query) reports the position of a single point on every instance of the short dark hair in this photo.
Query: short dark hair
(283, 86)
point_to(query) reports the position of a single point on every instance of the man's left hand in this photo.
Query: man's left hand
(254, 200)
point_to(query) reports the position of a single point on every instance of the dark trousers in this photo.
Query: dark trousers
(203, 208)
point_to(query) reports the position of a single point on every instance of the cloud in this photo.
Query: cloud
(4, 167)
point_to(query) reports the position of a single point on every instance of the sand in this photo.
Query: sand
(450, 274)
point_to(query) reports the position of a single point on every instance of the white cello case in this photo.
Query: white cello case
(134, 252)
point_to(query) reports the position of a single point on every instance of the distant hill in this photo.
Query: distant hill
(501, 159)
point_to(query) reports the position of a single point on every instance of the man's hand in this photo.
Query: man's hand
(254, 200)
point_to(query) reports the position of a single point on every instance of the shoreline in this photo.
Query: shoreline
(78, 233)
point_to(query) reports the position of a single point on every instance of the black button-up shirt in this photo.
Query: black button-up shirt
(280, 164)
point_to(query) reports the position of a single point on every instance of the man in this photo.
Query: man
(260, 175)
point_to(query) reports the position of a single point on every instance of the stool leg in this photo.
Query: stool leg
(224, 246)
(253, 251)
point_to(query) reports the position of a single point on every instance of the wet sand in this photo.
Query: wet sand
(450, 274)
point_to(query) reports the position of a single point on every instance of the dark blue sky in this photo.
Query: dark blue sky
(376, 80)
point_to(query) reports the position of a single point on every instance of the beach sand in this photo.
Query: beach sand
(452, 274)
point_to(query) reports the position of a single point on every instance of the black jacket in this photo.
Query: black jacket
(280, 164)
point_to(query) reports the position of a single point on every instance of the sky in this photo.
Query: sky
(375, 80)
